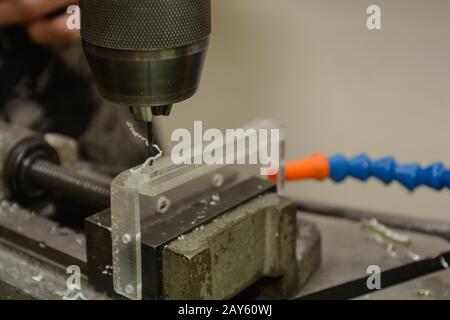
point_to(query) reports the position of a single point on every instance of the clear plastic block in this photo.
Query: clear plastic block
(140, 196)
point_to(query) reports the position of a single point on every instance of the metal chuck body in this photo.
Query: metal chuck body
(146, 53)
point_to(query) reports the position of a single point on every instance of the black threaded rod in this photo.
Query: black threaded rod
(75, 187)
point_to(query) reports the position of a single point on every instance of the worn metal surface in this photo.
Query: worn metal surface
(309, 249)
(348, 251)
(431, 287)
(40, 236)
(157, 236)
(99, 250)
(34, 255)
(427, 226)
(27, 275)
(162, 231)
(24, 276)
(222, 258)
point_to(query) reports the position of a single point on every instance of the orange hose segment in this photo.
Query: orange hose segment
(315, 167)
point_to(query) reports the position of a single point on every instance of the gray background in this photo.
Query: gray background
(337, 86)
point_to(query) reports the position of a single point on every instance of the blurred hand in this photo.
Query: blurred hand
(33, 15)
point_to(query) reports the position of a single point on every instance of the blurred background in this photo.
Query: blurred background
(337, 87)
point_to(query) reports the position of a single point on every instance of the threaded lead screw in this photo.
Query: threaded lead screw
(73, 186)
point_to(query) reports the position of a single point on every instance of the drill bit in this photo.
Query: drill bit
(151, 149)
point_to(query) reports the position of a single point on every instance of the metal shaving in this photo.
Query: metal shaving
(414, 256)
(444, 263)
(387, 234)
(145, 140)
(137, 134)
(146, 164)
(424, 293)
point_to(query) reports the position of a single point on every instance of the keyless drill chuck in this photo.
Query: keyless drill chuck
(146, 54)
